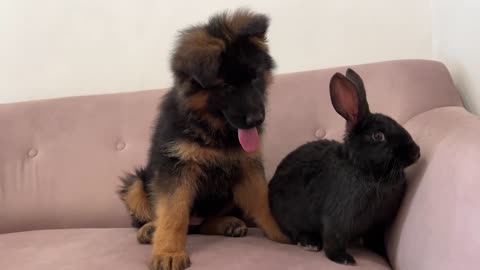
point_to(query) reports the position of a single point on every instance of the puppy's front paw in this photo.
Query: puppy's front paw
(170, 261)
(342, 258)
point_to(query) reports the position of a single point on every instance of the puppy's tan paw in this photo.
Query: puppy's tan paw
(170, 261)
(228, 226)
(236, 228)
(145, 233)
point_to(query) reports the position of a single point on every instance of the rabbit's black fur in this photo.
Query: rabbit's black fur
(327, 193)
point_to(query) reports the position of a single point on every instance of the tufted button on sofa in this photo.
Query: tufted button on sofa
(60, 160)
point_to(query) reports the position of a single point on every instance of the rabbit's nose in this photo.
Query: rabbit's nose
(417, 156)
(416, 153)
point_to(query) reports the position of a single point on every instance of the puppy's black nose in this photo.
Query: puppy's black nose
(254, 119)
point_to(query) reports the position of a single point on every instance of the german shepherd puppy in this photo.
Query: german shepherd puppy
(204, 159)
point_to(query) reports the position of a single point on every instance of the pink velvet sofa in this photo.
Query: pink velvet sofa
(60, 160)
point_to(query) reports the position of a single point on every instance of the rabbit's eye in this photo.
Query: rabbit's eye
(378, 136)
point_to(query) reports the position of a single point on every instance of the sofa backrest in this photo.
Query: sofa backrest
(60, 159)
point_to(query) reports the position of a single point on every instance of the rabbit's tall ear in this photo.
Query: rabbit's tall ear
(362, 95)
(345, 99)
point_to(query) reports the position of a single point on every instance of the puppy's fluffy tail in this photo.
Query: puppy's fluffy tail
(134, 195)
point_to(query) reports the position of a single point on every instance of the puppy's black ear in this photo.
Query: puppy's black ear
(198, 56)
(245, 23)
(203, 66)
(258, 26)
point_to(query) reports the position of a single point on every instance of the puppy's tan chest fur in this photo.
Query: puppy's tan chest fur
(219, 171)
(194, 153)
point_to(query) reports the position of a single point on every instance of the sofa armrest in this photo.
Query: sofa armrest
(438, 224)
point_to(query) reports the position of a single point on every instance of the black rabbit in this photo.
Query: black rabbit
(327, 193)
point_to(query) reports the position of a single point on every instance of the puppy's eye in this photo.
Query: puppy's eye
(378, 136)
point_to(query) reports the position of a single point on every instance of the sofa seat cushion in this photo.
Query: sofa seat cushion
(90, 249)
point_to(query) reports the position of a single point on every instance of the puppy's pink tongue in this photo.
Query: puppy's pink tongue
(249, 139)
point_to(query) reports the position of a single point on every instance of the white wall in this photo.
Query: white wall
(53, 48)
(456, 42)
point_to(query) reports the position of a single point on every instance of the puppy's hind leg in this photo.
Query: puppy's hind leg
(145, 233)
(227, 225)
(134, 196)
